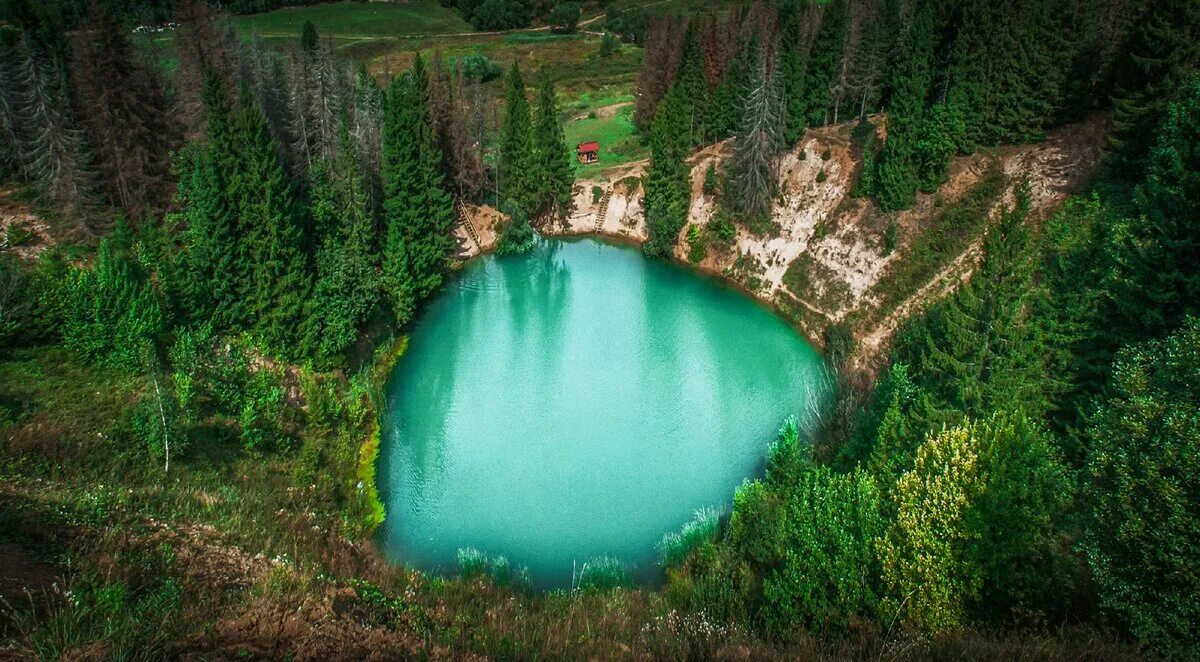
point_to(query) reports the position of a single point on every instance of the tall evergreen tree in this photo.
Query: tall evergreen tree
(911, 79)
(794, 39)
(985, 352)
(346, 292)
(667, 181)
(1163, 53)
(58, 158)
(1159, 280)
(693, 86)
(824, 59)
(518, 178)
(753, 167)
(418, 212)
(554, 168)
(271, 238)
(125, 116)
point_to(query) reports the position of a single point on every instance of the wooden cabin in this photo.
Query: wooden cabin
(588, 152)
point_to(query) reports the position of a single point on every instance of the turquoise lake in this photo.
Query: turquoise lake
(580, 401)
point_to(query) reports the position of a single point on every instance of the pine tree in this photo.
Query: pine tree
(823, 63)
(418, 212)
(911, 79)
(667, 181)
(1160, 282)
(126, 117)
(346, 293)
(794, 39)
(988, 354)
(660, 63)
(753, 167)
(1163, 54)
(271, 238)
(693, 86)
(518, 179)
(554, 168)
(58, 158)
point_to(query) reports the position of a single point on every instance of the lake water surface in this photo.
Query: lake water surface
(580, 401)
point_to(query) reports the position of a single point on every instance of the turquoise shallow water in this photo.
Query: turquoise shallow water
(580, 401)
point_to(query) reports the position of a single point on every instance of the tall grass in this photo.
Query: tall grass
(675, 547)
(600, 574)
(474, 563)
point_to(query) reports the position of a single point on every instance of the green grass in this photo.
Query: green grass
(356, 20)
(619, 143)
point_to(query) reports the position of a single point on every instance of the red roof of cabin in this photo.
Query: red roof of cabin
(588, 147)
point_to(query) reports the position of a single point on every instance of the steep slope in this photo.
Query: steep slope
(833, 258)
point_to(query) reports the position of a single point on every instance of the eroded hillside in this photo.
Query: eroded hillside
(832, 257)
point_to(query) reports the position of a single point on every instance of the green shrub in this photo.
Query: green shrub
(821, 176)
(826, 155)
(697, 244)
(609, 44)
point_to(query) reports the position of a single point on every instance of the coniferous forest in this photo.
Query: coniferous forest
(236, 234)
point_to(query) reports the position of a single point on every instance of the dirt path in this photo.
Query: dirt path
(604, 112)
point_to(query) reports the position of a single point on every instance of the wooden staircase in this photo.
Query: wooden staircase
(602, 211)
(466, 223)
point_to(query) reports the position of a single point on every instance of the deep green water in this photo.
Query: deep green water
(580, 401)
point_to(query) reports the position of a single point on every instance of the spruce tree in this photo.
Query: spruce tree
(125, 116)
(753, 167)
(986, 353)
(823, 62)
(346, 292)
(554, 168)
(271, 238)
(793, 64)
(518, 178)
(693, 86)
(1159, 282)
(667, 181)
(418, 212)
(911, 78)
(1163, 53)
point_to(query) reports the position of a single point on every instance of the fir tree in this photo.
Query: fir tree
(346, 291)
(554, 168)
(793, 64)
(753, 170)
(518, 179)
(693, 86)
(911, 79)
(271, 238)
(667, 181)
(1164, 52)
(125, 116)
(822, 67)
(418, 211)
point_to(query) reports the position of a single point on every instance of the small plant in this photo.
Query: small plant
(889, 238)
(592, 115)
(609, 44)
(597, 193)
(474, 563)
(17, 235)
(803, 156)
(821, 176)
(710, 179)
(697, 244)
(827, 154)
